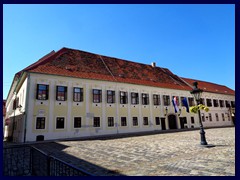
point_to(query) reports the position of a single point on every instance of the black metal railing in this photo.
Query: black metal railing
(30, 161)
(17, 161)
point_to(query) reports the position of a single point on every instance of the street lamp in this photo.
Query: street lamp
(196, 92)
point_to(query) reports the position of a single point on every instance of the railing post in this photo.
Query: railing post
(31, 160)
(48, 165)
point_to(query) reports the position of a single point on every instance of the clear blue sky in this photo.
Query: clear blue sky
(193, 41)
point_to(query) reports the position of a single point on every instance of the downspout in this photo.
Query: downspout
(26, 107)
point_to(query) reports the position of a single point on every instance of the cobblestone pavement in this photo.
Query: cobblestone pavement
(169, 154)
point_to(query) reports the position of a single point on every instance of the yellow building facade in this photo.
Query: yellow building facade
(51, 106)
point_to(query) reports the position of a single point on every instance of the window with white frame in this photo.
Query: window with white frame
(42, 92)
(223, 117)
(166, 100)
(227, 103)
(192, 120)
(145, 99)
(97, 95)
(228, 117)
(110, 96)
(96, 122)
(61, 93)
(157, 120)
(156, 99)
(221, 102)
(202, 101)
(134, 98)
(216, 115)
(210, 116)
(123, 121)
(123, 97)
(209, 102)
(203, 117)
(191, 101)
(40, 123)
(110, 121)
(60, 122)
(77, 94)
(145, 121)
(135, 121)
(215, 102)
(77, 122)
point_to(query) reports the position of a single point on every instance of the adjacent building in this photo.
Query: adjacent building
(72, 93)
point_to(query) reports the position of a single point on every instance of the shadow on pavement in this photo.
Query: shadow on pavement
(57, 150)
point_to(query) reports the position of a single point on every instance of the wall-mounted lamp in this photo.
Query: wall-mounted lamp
(166, 111)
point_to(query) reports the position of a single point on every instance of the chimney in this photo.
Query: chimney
(153, 64)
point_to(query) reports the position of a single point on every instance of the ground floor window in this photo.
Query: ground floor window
(203, 117)
(123, 121)
(77, 122)
(210, 116)
(216, 115)
(60, 123)
(110, 121)
(223, 118)
(135, 121)
(145, 121)
(192, 120)
(157, 119)
(96, 122)
(40, 123)
(228, 117)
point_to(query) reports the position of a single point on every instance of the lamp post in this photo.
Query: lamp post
(196, 92)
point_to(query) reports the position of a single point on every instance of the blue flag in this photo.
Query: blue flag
(185, 103)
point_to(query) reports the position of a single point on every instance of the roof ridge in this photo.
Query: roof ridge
(110, 57)
(205, 82)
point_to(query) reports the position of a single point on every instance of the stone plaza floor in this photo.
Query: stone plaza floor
(167, 154)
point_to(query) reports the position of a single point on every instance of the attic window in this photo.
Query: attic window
(121, 75)
(69, 68)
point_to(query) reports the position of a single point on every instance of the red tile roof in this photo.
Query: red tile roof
(81, 64)
(211, 87)
(76, 63)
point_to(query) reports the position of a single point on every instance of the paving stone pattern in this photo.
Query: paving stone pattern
(169, 154)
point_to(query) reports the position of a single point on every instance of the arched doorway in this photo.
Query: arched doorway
(172, 121)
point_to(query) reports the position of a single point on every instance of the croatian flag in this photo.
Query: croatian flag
(184, 102)
(174, 101)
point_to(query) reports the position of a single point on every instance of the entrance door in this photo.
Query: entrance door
(163, 124)
(172, 122)
(183, 120)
